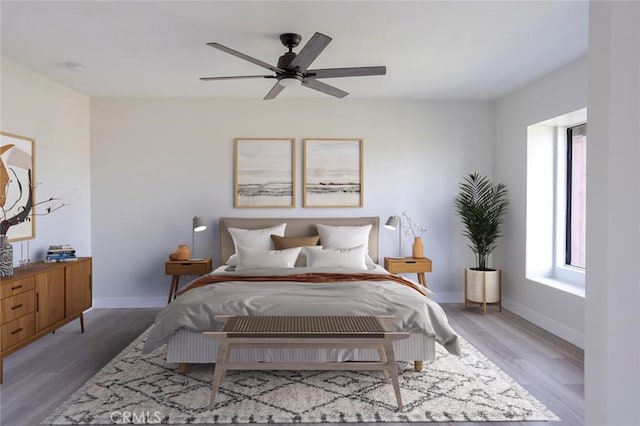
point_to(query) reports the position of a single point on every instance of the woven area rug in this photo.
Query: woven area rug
(144, 389)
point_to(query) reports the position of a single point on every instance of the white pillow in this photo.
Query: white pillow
(257, 239)
(353, 258)
(249, 258)
(343, 237)
(302, 259)
(233, 259)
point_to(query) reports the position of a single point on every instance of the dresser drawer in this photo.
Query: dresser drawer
(17, 306)
(16, 286)
(18, 330)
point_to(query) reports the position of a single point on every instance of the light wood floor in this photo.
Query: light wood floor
(40, 377)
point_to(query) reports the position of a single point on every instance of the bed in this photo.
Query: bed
(328, 282)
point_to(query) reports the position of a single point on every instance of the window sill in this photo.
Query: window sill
(567, 287)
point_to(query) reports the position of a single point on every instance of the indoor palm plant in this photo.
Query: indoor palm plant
(481, 205)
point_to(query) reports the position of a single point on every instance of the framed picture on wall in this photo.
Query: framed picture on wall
(264, 173)
(333, 172)
(17, 179)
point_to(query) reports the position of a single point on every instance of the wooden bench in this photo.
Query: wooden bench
(355, 332)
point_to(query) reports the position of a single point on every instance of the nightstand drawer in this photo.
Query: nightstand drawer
(18, 330)
(16, 286)
(16, 306)
(407, 265)
(187, 267)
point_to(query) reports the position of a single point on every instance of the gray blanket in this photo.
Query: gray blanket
(195, 309)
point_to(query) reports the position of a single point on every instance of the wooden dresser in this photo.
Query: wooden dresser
(40, 298)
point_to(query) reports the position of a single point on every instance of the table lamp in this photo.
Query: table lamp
(393, 223)
(198, 226)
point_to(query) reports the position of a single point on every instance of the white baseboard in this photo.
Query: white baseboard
(550, 325)
(129, 302)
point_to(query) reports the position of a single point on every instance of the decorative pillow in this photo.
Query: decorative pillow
(342, 237)
(249, 258)
(353, 258)
(302, 258)
(282, 243)
(257, 239)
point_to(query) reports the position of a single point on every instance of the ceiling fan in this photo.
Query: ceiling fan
(292, 67)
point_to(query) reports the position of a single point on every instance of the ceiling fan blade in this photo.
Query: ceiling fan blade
(236, 77)
(275, 91)
(324, 88)
(245, 57)
(345, 72)
(310, 52)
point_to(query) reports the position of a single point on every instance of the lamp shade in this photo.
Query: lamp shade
(395, 223)
(392, 223)
(198, 224)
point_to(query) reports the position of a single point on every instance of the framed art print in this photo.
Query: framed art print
(17, 179)
(332, 173)
(264, 173)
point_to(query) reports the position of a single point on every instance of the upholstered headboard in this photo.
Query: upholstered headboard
(296, 227)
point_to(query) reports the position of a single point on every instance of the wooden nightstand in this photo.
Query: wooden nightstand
(184, 267)
(419, 265)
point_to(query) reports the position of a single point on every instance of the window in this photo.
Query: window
(576, 195)
(556, 195)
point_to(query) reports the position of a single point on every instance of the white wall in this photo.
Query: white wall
(158, 162)
(58, 119)
(612, 377)
(557, 93)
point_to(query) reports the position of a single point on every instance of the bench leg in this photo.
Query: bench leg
(418, 365)
(393, 372)
(218, 373)
(383, 360)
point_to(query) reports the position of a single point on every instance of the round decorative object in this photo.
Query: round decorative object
(173, 256)
(6, 257)
(183, 252)
(417, 249)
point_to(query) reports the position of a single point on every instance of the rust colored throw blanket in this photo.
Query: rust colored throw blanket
(312, 277)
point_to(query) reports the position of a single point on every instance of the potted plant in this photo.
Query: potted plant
(481, 205)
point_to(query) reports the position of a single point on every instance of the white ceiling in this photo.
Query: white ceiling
(432, 50)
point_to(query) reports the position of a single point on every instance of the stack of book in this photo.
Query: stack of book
(60, 253)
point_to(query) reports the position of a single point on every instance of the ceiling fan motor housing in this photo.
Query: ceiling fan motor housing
(285, 60)
(290, 40)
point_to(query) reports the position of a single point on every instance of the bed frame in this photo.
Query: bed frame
(186, 347)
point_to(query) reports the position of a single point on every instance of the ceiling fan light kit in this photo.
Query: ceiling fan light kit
(292, 67)
(290, 81)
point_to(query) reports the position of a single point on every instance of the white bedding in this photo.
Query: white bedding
(194, 310)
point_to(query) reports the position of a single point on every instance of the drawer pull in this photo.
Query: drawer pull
(411, 261)
(16, 331)
(17, 306)
(16, 287)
